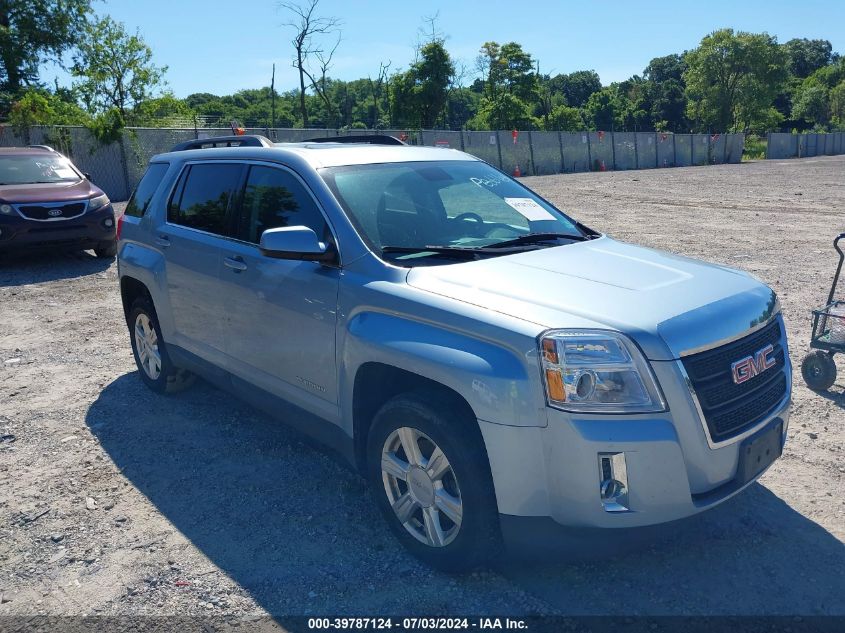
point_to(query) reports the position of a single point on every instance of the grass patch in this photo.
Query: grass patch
(755, 147)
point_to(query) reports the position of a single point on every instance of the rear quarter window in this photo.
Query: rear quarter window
(143, 194)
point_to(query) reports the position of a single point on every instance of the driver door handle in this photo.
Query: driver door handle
(235, 263)
(162, 240)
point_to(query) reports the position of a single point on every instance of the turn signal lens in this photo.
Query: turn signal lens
(554, 382)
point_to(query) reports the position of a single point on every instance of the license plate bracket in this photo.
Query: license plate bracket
(757, 452)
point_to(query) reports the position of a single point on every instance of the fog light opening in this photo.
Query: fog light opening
(613, 482)
(108, 222)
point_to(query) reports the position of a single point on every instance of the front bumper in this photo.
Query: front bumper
(86, 231)
(552, 472)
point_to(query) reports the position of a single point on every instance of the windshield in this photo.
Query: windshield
(36, 168)
(399, 208)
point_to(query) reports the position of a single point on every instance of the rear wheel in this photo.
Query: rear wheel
(154, 365)
(431, 477)
(819, 370)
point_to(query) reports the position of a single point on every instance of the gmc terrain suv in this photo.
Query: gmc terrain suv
(46, 202)
(494, 367)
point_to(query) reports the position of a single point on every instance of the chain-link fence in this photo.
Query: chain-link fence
(786, 145)
(117, 167)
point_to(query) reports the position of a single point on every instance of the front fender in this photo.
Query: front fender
(492, 379)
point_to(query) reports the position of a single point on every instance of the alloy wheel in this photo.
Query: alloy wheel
(146, 344)
(421, 487)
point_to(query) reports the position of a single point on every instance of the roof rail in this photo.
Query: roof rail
(372, 139)
(47, 147)
(244, 140)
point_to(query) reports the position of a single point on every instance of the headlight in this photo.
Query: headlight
(597, 371)
(98, 202)
(6, 209)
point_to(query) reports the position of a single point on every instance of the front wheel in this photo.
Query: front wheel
(819, 370)
(431, 476)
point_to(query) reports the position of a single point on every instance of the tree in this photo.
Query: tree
(309, 28)
(733, 78)
(430, 76)
(837, 105)
(604, 109)
(812, 105)
(33, 32)
(576, 87)
(510, 87)
(667, 68)
(565, 118)
(508, 69)
(163, 111)
(804, 56)
(115, 68)
(40, 107)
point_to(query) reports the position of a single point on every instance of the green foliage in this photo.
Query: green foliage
(505, 111)
(812, 105)
(163, 111)
(576, 88)
(755, 147)
(566, 119)
(804, 57)
(604, 109)
(106, 127)
(508, 70)
(40, 107)
(33, 32)
(732, 80)
(419, 96)
(115, 68)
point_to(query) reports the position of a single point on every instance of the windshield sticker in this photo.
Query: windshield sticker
(488, 182)
(529, 209)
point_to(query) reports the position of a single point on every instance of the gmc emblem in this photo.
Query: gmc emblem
(750, 366)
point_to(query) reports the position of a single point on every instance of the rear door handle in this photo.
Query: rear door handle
(163, 240)
(235, 263)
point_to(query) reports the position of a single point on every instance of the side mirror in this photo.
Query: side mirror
(295, 242)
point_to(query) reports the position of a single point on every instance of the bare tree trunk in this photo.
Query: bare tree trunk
(302, 109)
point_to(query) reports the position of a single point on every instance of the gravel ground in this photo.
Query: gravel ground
(116, 501)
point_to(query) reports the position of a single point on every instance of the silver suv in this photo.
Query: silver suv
(497, 370)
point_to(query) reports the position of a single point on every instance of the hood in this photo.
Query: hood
(48, 192)
(668, 304)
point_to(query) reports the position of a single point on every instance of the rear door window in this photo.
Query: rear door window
(274, 198)
(143, 194)
(204, 195)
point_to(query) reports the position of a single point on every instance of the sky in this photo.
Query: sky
(221, 47)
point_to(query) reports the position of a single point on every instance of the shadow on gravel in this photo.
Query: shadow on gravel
(292, 526)
(752, 555)
(299, 533)
(19, 269)
(836, 397)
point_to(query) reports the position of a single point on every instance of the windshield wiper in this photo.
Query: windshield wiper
(455, 252)
(536, 238)
(459, 252)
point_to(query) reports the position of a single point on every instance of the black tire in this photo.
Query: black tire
(819, 370)
(106, 249)
(445, 422)
(170, 378)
